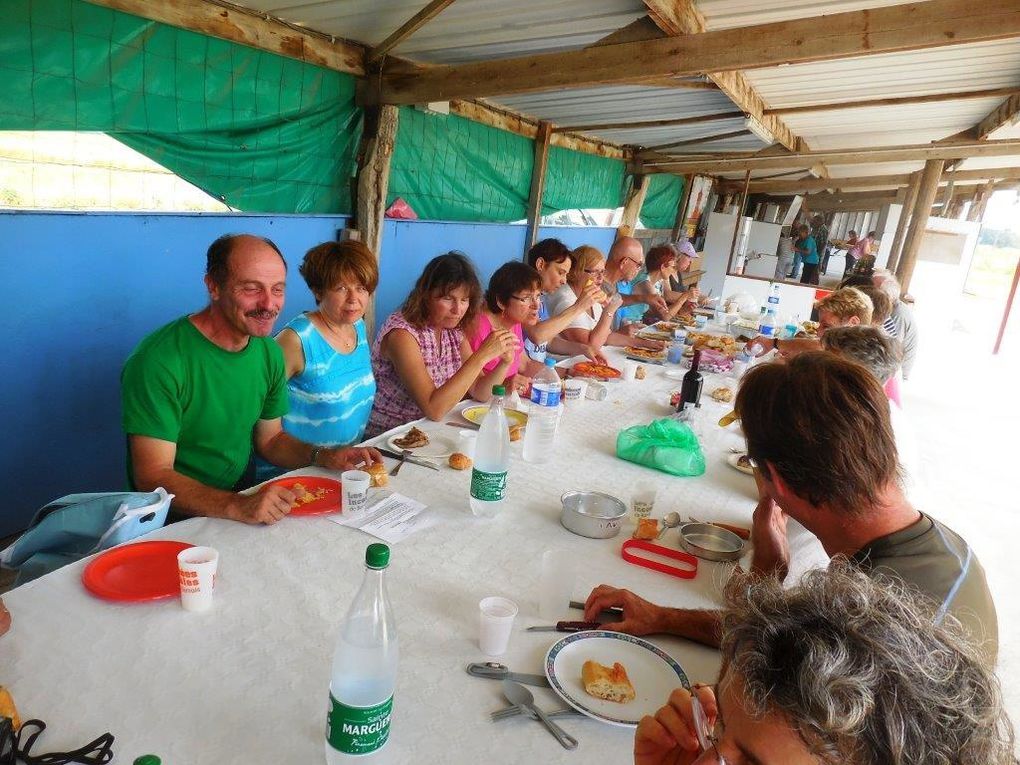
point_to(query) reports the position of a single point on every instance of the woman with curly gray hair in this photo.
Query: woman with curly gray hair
(841, 669)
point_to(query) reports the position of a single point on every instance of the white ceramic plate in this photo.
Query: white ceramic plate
(653, 673)
(439, 446)
(731, 460)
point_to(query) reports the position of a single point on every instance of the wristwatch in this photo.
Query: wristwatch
(775, 343)
(315, 455)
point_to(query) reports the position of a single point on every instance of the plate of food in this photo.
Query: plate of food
(422, 444)
(612, 677)
(595, 371)
(651, 333)
(475, 414)
(645, 354)
(808, 328)
(741, 462)
(315, 495)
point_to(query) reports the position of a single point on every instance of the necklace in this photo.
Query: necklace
(344, 335)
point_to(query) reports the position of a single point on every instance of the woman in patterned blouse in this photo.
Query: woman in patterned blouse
(422, 361)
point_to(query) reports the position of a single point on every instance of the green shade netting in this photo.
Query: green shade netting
(260, 131)
(450, 168)
(661, 201)
(575, 180)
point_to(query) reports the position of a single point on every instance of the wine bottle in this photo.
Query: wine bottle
(690, 390)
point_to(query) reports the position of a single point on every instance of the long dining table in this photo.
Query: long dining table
(246, 682)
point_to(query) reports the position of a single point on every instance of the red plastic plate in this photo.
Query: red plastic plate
(134, 573)
(329, 503)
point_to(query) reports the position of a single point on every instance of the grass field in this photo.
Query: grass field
(991, 272)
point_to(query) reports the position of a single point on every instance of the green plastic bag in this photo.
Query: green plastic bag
(665, 445)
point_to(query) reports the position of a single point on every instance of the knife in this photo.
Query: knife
(412, 460)
(611, 611)
(566, 627)
(491, 670)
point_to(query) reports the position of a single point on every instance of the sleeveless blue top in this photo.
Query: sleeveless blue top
(331, 399)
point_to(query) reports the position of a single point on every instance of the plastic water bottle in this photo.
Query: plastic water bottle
(364, 669)
(767, 328)
(793, 326)
(492, 459)
(543, 414)
(773, 299)
(741, 363)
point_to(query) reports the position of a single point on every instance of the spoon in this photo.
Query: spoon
(520, 696)
(670, 521)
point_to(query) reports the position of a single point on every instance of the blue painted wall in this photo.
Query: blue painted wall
(85, 288)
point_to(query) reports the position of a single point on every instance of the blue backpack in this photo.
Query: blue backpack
(78, 525)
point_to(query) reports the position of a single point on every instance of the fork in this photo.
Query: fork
(508, 712)
(404, 454)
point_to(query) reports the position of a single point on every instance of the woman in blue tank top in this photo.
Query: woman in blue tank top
(329, 367)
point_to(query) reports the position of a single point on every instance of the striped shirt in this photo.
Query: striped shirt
(938, 562)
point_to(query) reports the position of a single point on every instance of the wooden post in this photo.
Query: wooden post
(980, 202)
(537, 184)
(1007, 310)
(947, 196)
(680, 224)
(736, 223)
(632, 206)
(377, 141)
(901, 225)
(928, 187)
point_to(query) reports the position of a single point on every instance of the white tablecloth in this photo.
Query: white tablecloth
(247, 682)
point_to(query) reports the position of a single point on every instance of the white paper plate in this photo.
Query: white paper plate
(438, 446)
(477, 413)
(731, 460)
(653, 673)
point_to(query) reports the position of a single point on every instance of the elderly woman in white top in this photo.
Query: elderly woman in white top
(594, 326)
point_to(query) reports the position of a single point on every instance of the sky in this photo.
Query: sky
(1003, 211)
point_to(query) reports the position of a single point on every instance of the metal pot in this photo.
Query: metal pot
(592, 514)
(711, 542)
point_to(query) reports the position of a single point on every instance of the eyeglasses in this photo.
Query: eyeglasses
(534, 298)
(706, 736)
(635, 261)
(594, 271)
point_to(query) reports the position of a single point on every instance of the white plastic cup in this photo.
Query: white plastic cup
(495, 622)
(354, 491)
(574, 389)
(629, 370)
(466, 440)
(196, 567)
(642, 499)
(559, 572)
(597, 392)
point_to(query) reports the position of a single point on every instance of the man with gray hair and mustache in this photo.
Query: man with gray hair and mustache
(203, 392)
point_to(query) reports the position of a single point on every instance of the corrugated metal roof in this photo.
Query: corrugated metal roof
(724, 14)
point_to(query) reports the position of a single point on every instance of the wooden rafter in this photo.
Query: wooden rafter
(677, 17)
(852, 34)
(959, 177)
(897, 101)
(702, 139)
(648, 123)
(1005, 114)
(408, 28)
(722, 163)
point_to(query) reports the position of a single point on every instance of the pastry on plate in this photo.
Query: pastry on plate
(413, 439)
(459, 461)
(609, 683)
(723, 393)
(516, 432)
(378, 472)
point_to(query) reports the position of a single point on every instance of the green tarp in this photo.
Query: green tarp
(661, 201)
(261, 132)
(575, 180)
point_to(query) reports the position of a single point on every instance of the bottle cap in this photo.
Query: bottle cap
(377, 555)
(498, 390)
(147, 759)
(550, 362)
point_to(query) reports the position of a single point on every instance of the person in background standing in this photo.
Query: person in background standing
(820, 233)
(805, 248)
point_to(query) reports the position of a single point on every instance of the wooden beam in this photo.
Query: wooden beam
(960, 177)
(378, 139)
(1007, 310)
(408, 28)
(832, 106)
(721, 163)
(914, 26)
(703, 139)
(596, 126)
(537, 183)
(679, 17)
(632, 206)
(638, 30)
(980, 202)
(736, 223)
(926, 190)
(681, 209)
(1005, 114)
(248, 27)
(901, 226)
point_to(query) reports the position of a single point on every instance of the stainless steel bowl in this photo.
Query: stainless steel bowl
(592, 514)
(710, 542)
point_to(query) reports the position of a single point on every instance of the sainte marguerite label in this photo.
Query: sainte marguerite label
(358, 730)
(488, 487)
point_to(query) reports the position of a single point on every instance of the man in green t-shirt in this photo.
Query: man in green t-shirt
(199, 394)
(819, 433)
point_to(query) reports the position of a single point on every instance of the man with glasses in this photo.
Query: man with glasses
(627, 258)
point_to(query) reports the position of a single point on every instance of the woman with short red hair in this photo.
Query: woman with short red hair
(662, 263)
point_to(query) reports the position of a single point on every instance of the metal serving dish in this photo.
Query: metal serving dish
(592, 514)
(711, 542)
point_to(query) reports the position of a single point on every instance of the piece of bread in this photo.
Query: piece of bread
(378, 472)
(516, 432)
(459, 461)
(647, 528)
(413, 439)
(609, 683)
(639, 373)
(723, 394)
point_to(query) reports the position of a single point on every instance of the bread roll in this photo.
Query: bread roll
(459, 461)
(609, 683)
(378, 472)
